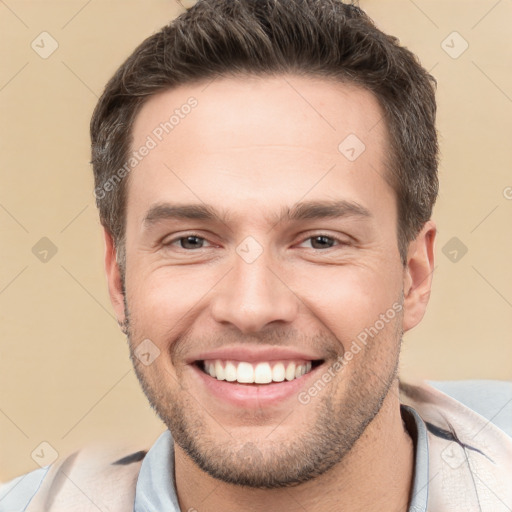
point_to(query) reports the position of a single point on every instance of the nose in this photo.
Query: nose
(253, 295)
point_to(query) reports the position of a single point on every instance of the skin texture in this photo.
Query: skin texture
(251, 149)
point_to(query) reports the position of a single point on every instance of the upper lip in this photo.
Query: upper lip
(254, 354)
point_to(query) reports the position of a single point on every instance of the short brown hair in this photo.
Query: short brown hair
(320, 38)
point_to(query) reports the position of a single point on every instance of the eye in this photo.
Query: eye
(187, 242)
(323, 241)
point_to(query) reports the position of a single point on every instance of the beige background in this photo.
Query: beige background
(65, 375)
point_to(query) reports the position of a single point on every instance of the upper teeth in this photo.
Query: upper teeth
(260, 373)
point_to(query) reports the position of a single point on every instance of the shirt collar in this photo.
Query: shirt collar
(156, 487)
(418, 431)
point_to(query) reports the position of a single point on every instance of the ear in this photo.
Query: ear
(115, 286)
(418, 275)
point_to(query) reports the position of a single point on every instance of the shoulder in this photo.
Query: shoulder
(17, 493)
(94, 469)
(468, 425)
(492, 399)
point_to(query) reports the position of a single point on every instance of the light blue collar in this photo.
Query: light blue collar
(418, 432)
(156, 487)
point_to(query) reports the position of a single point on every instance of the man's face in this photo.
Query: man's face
(265, 287)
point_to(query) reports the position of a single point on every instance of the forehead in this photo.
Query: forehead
(317, 111)
(266, 140)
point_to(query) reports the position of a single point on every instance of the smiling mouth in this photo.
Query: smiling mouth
(265, 372)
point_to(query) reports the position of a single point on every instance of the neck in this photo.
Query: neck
(375, 475)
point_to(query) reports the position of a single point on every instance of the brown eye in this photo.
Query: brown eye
(191, 242)
(188, 242)
(322, 242)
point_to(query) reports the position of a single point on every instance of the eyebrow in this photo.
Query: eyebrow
(309, 210)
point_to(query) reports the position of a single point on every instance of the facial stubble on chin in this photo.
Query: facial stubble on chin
(267, 463)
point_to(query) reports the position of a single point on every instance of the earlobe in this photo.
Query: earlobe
(418, 275)
(114, 281)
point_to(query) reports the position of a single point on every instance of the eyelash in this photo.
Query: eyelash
(338, 241)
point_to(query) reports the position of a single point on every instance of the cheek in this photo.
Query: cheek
(349, 300)
(162, 301)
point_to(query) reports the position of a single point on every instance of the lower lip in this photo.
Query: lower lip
(254, 396)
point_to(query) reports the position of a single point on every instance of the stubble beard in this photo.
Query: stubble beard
(280, 462)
